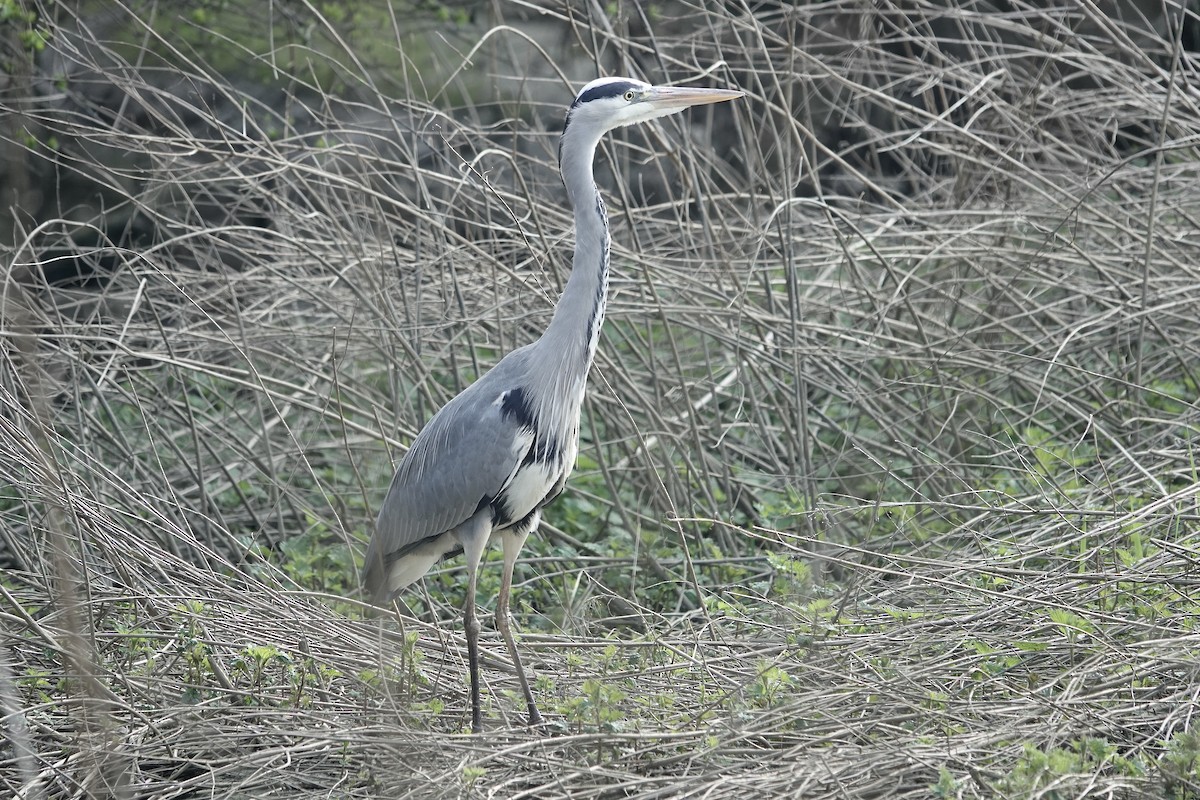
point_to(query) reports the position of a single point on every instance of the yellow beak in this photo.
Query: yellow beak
(665, 97)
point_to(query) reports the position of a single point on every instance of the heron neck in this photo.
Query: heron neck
(574, 331)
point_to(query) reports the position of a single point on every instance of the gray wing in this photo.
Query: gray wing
(463, 458)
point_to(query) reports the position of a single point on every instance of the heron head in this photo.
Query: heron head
(608, 103)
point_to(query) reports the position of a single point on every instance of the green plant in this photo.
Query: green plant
(771, 683)
(32, 36)
(255, 662)
(1180, 766)
(192, 647)
(471, 775)
(1056, 774)
(947, 786)
(37, 682)
(598, 705)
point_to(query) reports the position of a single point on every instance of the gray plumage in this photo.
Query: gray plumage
(492, 457)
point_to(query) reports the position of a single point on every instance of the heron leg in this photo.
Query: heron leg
(474, 535)
(513, 540)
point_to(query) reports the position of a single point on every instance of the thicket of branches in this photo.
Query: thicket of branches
(887, 482)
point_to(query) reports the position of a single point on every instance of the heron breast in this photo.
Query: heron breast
(531, 486)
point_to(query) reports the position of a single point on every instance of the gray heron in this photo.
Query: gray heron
(492, 457)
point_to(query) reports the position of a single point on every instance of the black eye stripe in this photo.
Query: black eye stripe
(617, 89)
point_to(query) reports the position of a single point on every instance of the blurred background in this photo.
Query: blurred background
(887, 455)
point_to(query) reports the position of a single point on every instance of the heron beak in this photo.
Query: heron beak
(672, 97)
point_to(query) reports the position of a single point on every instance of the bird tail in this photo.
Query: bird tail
(375, 582)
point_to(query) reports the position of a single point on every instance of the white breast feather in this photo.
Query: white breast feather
(529, 487)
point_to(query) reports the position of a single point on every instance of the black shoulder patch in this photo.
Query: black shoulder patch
(515, 406)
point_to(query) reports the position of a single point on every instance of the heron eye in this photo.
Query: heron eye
(629, 96)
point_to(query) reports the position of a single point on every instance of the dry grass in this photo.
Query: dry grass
(888, 486)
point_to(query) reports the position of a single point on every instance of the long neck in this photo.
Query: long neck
(575, 328)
